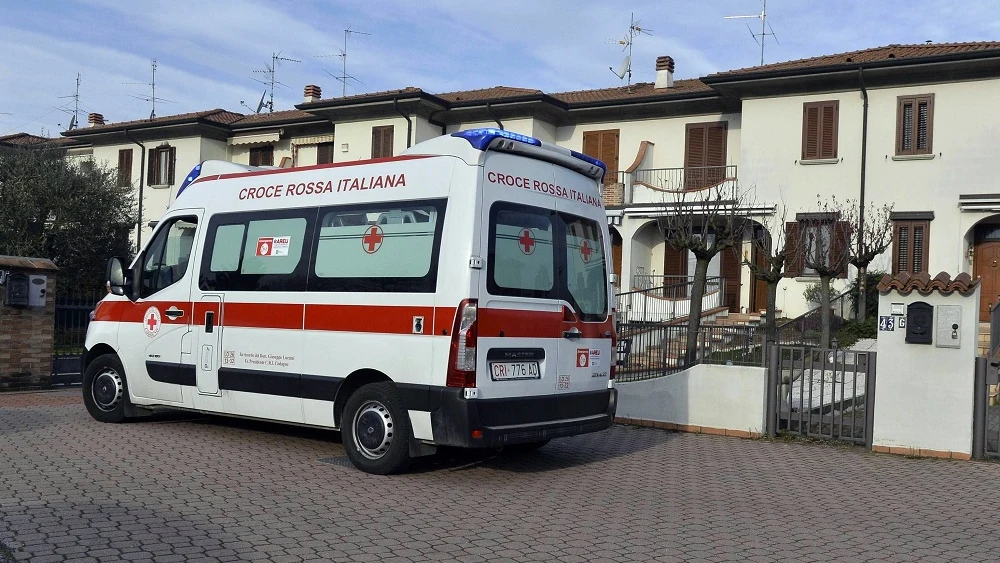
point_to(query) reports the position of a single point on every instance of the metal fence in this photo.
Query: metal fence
(985, 413)
(667, 302)
(821, 393)
(806, 328)
(690, 178)
(72, 316)
(647, 351)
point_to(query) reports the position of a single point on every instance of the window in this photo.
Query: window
(124, 168)
(161, 164)
(324, 153)
(380, 247)
(817, 241)
(260, 251)
(539, 253)
(909, 251)
(603, 145)
(914, 124)
(262, 156)
(704, 155)
(382, 141)
(819, 130)
(166, 258)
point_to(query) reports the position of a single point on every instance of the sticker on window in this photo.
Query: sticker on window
(273, 246)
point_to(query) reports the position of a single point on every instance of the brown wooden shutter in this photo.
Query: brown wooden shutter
(387, 141)
(172, 165)
(901, 248)
(715, 153)
(324, 153)
(839, 246)
(603, 145)
(376, 142)
(730, 268)
(793, 247)
(151, 167)
(592, 143)
(124, 167)
(695, 155)
(828, 140)
(810, 131)
(674, 262)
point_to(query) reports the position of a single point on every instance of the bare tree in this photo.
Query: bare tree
(870, 236)
(822, 245)
(704, 222)
(767, 262)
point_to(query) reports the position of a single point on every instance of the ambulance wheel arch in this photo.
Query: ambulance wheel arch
(354, 382)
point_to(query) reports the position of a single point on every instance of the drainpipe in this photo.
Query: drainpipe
(409, 122)
(493, 115)
(863, 275)
(142, 180)
(441, 124)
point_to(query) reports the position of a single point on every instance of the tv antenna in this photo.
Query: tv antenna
(344, 78)
(269, 71)
(635, 29)
(152, 96)
(260, 104)
(73, 121)
(765, 28)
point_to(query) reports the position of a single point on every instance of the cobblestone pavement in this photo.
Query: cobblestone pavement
(184, 488)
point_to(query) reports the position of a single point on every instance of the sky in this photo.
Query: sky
(209, 52)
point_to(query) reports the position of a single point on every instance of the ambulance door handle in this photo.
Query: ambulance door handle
(210, 321)
(572, 333)
(174, 313)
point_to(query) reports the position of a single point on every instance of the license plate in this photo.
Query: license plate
(503, 371)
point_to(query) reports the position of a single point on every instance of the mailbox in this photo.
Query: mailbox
(948, 326)
(17, 290)
(919, 323)
(37, 286)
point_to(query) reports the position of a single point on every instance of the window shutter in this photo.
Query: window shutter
(151, 168)
(609, 151)
(919, 248)
(376, 142)
(124, 167)
(828, 140)
(839, 251)
(695, 154)
(901, 249)
(810, 131)
(715, 153)
(592, 144)
(793, 247)
(387, 142)
(674, 262)
(172, 156)
(324, 153)
(923, 109)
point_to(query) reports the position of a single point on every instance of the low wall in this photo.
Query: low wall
(706, 398)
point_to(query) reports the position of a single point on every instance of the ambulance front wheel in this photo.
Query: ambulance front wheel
(105, 392)
(376, 429)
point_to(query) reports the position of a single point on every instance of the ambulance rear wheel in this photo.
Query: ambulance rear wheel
(105, 392)
(376, 429)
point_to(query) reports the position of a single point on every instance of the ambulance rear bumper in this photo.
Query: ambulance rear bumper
(519, 420)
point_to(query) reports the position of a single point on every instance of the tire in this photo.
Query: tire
(376, 429)
(105, 392)
(526, 447)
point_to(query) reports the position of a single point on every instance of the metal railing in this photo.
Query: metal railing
(666, 302)
(72, 317)
(806, 328)
(689, 178)
(647, 351)
(994, 330)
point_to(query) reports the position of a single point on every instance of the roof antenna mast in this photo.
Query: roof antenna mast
(152, 97)
(269, 72)
(74, 121)
(344, 77)
(635, 29)
(765, 28)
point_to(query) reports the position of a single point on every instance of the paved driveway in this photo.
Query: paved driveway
(182, 488)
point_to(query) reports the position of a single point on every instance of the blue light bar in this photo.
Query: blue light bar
(590, 159)
(481, 138)
(195, 172)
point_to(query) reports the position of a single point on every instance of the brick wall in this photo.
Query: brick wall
(613, 193)
(26, 341)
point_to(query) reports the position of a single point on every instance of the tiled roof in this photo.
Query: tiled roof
(217, 115)
(272, 117)
(29, 140)
(358, 97)
(25, 263)
(923, 284)
(493, 93)
(886, 53)
(635, 92)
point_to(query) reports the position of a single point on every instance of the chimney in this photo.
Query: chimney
(95, 119)
(664, 72)
(313, 93)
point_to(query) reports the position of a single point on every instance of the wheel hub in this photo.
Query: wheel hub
(107, 390)
(373, 429)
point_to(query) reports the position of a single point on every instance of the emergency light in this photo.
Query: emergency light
(481, 138)
(195, 172)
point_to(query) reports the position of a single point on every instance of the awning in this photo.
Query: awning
(312, 139)
(255, 138)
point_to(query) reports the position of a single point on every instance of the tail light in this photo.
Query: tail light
(462, 359)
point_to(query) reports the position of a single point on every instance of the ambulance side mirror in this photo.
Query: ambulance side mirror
(117, 283)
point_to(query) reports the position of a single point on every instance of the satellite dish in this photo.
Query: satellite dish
(624, 68)
(260, 104)
(72, 122)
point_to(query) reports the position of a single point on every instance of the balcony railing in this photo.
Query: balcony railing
(664, 303)
(685, 179)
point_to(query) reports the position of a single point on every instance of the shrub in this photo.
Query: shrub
(852, 331)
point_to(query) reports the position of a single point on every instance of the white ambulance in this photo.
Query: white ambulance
(457, 295)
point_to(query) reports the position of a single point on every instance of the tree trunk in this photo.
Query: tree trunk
(862, 312)
(694, 317)
(771, 321)
(824, 311)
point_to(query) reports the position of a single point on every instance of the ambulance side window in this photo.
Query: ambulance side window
(521, 256)
(378, 247)
(166, 258)
(258, 251)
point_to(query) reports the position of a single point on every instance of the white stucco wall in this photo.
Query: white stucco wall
(923, 393)
(357, 135)
(729, 397)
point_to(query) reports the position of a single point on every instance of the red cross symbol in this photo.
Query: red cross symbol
(372, 240)
(586, 251)
(526, 242)
(151, 322)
